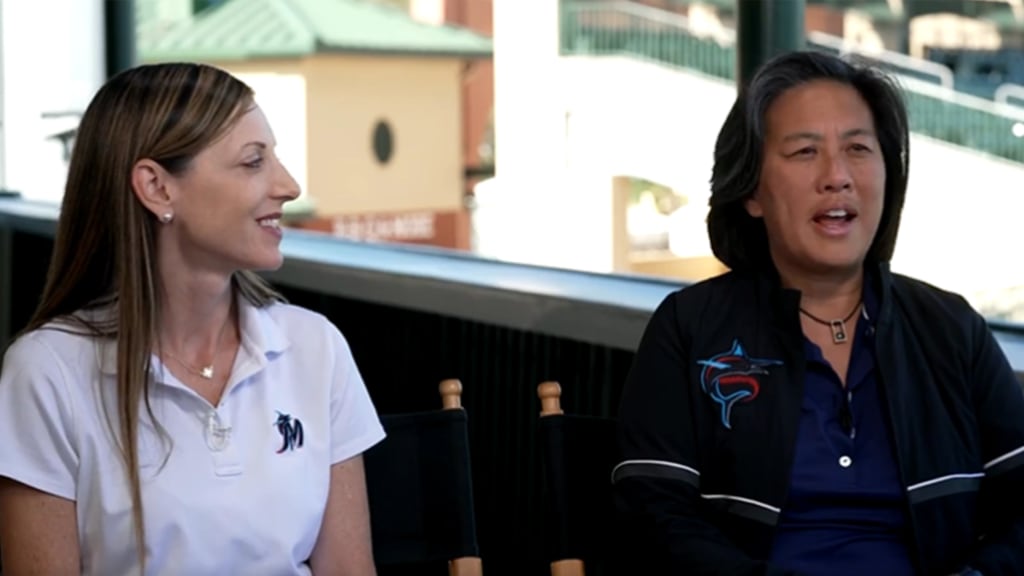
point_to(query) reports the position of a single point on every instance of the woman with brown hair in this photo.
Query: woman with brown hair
(165, 412)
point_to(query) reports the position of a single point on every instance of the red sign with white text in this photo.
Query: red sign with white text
(445, 229)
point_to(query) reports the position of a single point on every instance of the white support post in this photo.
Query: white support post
(51, 61)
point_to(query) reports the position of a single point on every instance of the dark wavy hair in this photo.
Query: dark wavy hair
(738, 239)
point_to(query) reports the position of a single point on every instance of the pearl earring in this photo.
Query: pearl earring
(167, 217)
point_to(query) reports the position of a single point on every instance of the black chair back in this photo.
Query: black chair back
(420, 489)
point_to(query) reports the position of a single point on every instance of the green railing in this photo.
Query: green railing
(936, 110)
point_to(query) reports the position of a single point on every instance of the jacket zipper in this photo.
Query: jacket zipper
(897, 447)
(800, 373)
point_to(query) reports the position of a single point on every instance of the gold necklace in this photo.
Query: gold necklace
(206, 372)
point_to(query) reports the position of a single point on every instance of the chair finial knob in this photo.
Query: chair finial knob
(451, 394)
(550, 394)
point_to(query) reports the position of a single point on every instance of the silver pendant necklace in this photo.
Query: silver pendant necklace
(838, 327)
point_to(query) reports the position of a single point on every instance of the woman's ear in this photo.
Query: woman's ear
(151, 185)
(753, 206)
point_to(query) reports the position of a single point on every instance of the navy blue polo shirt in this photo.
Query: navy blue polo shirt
(845, 513)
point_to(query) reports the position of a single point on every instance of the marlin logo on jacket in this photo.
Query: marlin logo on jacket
(732, 377)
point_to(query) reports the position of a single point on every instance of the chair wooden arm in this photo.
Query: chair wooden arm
(550, 394)
(451, 399)
(451, 394)
(468, 566)
(568, 568)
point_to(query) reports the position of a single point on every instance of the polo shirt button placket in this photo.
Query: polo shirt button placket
(217, 434)
(222, 446)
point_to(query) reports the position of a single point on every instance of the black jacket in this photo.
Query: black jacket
(711, 496)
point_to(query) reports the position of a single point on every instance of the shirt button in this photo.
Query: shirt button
(845, 461)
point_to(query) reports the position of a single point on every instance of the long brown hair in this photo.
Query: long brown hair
(105, 246)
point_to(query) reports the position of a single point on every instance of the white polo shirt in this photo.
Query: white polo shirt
(248, 500)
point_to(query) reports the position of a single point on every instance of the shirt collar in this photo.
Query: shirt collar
(261, 336)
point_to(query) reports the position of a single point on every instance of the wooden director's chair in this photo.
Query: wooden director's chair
(420, 490)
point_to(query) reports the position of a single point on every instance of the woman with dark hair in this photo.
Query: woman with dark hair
(165, 412)
(811, 412)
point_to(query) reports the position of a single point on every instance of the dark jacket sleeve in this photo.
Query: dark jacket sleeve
(657, 484)
(999, 406)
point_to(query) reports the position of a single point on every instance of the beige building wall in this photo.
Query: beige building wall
(663, 263)
(419, 98)
(265, 66)
(860, 30)
(951, 31)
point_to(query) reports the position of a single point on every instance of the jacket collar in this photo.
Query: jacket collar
(784, 303)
